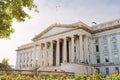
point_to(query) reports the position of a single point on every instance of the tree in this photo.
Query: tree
(13, 9)
(6, 64)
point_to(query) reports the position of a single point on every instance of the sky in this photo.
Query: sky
(57, 11)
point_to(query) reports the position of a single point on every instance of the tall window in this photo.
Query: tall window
(105, 46)
(104, 38)
(97, 48)
(96, 39)
(116, 58)
(107, 71)
(98, 70)
(113, 37)
(106, 59)
(98, 59)
(114, 45)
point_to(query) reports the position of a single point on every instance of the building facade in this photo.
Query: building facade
(73, 47)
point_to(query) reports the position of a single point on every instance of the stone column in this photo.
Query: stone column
(65, 51)
(87, 53)
(77, 50)
(72, 48)
(40, 54)
(58, 53)
(45, 55)
(70, 54)
(81, 48)
(51, 54)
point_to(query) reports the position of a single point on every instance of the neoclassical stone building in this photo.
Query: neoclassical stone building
(73, 47)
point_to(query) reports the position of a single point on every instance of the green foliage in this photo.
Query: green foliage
(94, 76)
(13, 9)
(6, 64)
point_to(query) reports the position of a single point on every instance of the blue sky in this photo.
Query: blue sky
(70, 11)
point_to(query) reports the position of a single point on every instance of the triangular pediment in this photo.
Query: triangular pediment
(53, 29)
(57, 29)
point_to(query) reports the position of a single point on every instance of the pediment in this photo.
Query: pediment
(59, 28)
(55, 30)
(51, 30)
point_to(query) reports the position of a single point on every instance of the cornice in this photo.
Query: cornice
(106, 29)
(106, 26)
(25, 46)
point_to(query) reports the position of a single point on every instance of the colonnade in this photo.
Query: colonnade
(63, 50)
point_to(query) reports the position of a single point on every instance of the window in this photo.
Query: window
(116, 58)
(106, 59)
(27, 59)
(24, 59)
(114, 45)
(97, 48)
(105, 38)
(98, 70)
(107, 71)
(113, 37)
(98, 59)
(96, 39)
(117, 69)
(105, 47)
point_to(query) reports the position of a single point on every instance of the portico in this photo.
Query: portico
(68, 49)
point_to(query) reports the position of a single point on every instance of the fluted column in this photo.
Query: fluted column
(45, 55)
(65, 51)
(51, 49)
(70, 53)
(58, 53)
(72, 48)
(81, 48)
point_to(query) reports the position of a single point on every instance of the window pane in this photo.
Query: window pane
(107, 71)
(106, 59)
(98, 59)
(97, 48)
(114, 37)
(116, 58)
(105, 47)
(114, 45)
